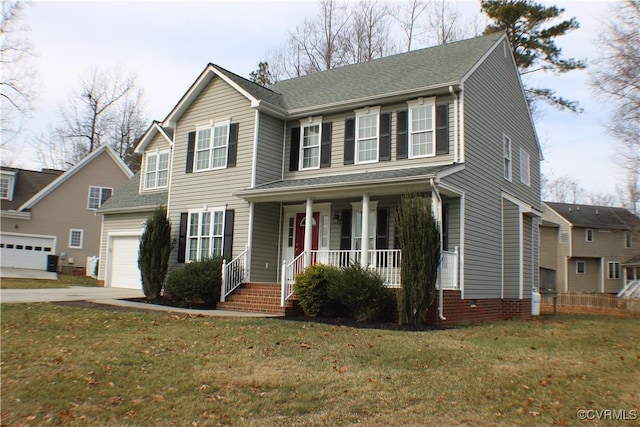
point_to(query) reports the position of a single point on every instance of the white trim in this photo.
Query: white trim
(76, 230)
(199, 211)
(421, 103)
(462, 134)
(69, 173)
(483, 58)
(254, 159)
(507, 143)
(366, 112)
(525, 172)
(306, 123)
(100, 202)
(212, 126)
(11, 185)
(249, 239)
(455, 124)
(16, 215)
(110, 235)
(143, 178)
(148, 136)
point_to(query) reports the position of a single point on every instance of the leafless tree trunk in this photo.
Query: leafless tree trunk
(444, 23)
(17, 85)
(408, 17)
(368, 36)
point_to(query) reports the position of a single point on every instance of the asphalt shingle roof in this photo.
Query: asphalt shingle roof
(596, 216)
(27, 184)
(129, 197)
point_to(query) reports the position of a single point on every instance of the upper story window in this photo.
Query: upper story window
(205, 234)
(506, 156)
(310, 145)
(525, 168)
(422, 128)
(156, 173)
(212, 145)
(589, 235)
(97, 196)
(366, 140)
(5, 184)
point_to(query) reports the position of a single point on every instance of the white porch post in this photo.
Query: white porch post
(364, 250)
(308, 230)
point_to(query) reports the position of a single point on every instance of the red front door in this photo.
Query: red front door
(300, 232)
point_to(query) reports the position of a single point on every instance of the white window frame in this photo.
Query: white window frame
(148, 184)
(100, 197)
(614, 271)
(525, 167)
(356, 228)
(81, 238)
(584, 267)
(428, 104)
(199, 236)
(360, 115)
(589, 236)
(506, 157)
(212, 149)
(304, 125)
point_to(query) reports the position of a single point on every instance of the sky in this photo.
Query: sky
(168, 44)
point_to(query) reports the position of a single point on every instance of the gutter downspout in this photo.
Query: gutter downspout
(456, 124)
(435, 191)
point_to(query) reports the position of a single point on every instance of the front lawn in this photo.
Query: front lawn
(85, 366)
(64, 281)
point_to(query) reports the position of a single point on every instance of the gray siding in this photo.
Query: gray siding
(266, 243)
(587, 282)
(269, 158)
(493, 104)
(511, 249)
(215, 188)
(549, 247)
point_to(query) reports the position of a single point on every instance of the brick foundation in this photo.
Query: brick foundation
(101, 283)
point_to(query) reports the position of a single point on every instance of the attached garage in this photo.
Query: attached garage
(26, 250)
(122, 261)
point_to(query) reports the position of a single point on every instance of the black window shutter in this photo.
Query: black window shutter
(182, 237)
(228, 234)
(191, 147)
(325, 145)
(233, 145)
(385, 137)
(401, 135)
(382, 232)
(349, 140)
(442, 129)
(294, 153)
(345, 230)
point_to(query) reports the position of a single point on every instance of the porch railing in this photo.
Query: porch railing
(385, 261)
(233, 273)
(630, 290)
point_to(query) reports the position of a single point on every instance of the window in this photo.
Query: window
(75, 238)
(4, 187)
(156, 170)
(628, 243)
(325, 231)
(581, 267)
(310, 146)
(205, 234)
(525, 170)
(97, 196)
(589, 235)
(356, 226)
(506, 155)
(367, 135)
(212, 145)
(421, 128)
(614, 270)
(290, 232)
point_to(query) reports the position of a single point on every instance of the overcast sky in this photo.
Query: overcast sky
(167, 44)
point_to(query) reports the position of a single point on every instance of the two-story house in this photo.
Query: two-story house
(590, 248)
(51, 214)
(311, 169)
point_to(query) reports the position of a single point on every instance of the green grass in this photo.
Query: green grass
(64, 281)
(84, 366)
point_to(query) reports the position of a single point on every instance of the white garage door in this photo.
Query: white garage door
(26, 251)
(124, 262)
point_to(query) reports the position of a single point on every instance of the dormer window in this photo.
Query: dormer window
(6, 185)
(156, 172)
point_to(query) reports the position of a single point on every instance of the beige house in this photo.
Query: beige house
(588, 248)
(49, 219)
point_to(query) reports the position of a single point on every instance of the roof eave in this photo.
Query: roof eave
(136, 209)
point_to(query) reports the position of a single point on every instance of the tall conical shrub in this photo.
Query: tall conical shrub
(155, 248)
(420, 243)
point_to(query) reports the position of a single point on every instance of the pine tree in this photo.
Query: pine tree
(153, 258)
(532, 42)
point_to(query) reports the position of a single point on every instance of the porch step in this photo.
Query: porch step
(259, 298)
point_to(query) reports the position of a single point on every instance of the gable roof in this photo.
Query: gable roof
(72, 171)
(128, 198)
(596, 216)
(155, 128)
(26, 184)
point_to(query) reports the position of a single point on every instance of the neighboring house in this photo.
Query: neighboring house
(53, 213)
(589, 248)
(280, 177)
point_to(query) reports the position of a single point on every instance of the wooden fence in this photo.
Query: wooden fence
(599, 301)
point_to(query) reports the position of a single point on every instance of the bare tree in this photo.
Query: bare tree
(129, 125)
(616, 77)
(444, 23)
(563, 189)
(408, 17)
(17, 85)
(368, 36)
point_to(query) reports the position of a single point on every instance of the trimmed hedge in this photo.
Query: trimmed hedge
(196, 281)
(311, 287)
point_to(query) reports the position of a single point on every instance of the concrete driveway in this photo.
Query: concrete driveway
(74, 293)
